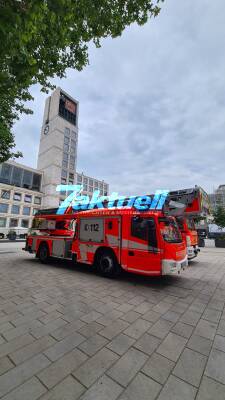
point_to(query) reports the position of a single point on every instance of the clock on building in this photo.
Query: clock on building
(46, 129)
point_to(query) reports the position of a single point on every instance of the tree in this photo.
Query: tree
(219, 217)
(40, 39)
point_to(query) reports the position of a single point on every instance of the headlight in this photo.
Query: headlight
(188, 240)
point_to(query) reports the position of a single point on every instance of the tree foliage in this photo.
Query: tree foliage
(219, 217)
(40, 39)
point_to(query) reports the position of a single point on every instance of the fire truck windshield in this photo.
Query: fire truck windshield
(169, 230)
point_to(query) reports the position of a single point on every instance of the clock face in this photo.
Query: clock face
(46, 130)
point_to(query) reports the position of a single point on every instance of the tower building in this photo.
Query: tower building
(57, 157)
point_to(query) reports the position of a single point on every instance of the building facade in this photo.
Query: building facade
(217, 199)
(57, 157)
(20, 195)
(90, 184)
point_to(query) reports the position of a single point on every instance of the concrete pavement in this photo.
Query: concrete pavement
(66, 333)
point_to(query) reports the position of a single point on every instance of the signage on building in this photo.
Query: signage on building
(67, 108)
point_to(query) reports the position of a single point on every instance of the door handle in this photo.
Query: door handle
(130, 253)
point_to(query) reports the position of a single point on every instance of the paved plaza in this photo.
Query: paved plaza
(67, 334)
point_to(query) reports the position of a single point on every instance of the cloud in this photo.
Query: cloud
(151, 103)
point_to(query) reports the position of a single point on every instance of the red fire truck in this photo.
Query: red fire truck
(147, 243)
(196, 204)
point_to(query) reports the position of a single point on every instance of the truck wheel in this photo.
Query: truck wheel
(43, 253)
(107, 265)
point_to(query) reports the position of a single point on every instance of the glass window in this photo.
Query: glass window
(169, 230)
(79, 178)
(15, 209)
(27, 198)
(91, 182)
(66, 140)
(36, 185)
(71, 182)
(73, 143)
(67, 132)
(13, 222)
(2, 222)
(17, 196)
(26, 210)
(27, 179)
(64, 164)
(66, 147)
(35, 210)
(17, 176)
(25, 223)
(64, 173)
(101, 192)
(139, 228)
(85, 180)
(85, 188)
(96, 185)
(63, 181)
(74, 135)
(37, 200)
(4, 207)
(90, 188)
(105, 193)
(72, 150)
(100, 185)
(72, 166)
(72, 159)
(71, 176)
(65, 157)
(5, 194)
(5, 173)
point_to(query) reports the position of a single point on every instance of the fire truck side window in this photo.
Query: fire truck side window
(139, 228)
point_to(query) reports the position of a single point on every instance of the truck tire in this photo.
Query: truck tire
(107, 264)
(43, 253)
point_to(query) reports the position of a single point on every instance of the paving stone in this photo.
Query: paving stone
(120, 344)
(93, 344)
(137, 328)
(124, 370)
(125, 307)
(221, 328)
(175, 389)
(151, 316)
(141, 387)
(211, 315)
(90, 329)
(179, 307)
(32, 349)
(161, 328)
(44, 330)
(158, 368)
(68, 329)
(22, 372)
(219, 343)
(32, 389)
(197, 307)
(210, 390)
(147, 343)
(190, 367)
(215, 367)
(190, 317)
(64, 346)
(131, 316)
(95, 366)
(91, 317)
(172, 346)
(57, 371)
(68, 389)
(206, 329)
(21, 330)
(104, 389)
(171, 316)
(182, 329)
(50, 317)
(162, 307)
(114, 329)
(5, 326)
(144, 307)
(5, 365)
(200, 344)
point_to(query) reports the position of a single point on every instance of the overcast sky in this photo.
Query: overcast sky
(152, 104)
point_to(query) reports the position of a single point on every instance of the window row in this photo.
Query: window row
(21, 177)
(6, 194)
(14, 223)
(15, 209)
(92, 183)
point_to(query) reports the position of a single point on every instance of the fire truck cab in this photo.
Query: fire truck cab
(147, 243)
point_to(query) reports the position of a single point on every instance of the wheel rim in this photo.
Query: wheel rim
(106, 264)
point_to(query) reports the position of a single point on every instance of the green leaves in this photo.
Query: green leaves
(40, 39)
(219, 217)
